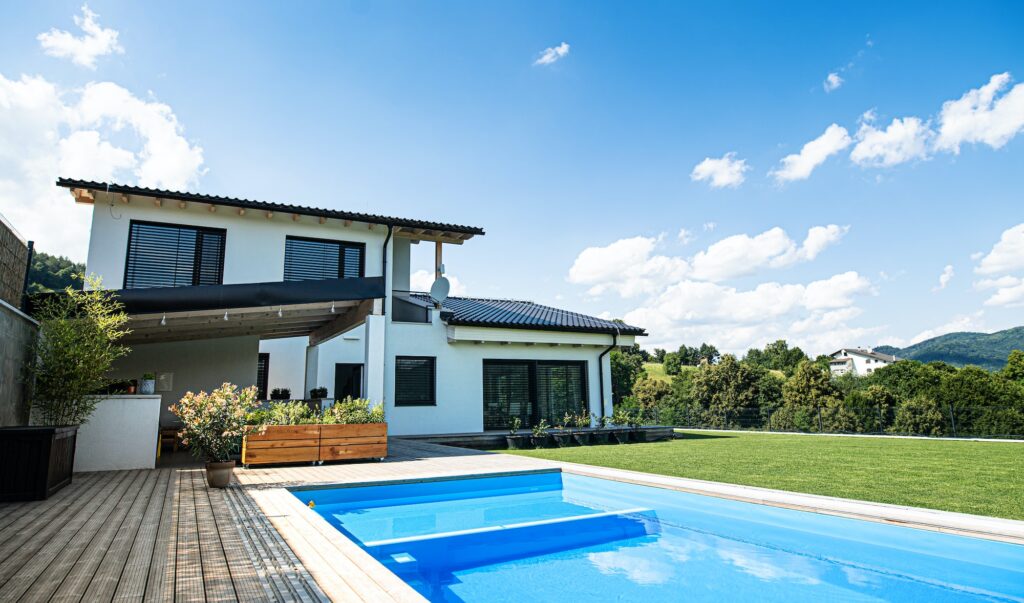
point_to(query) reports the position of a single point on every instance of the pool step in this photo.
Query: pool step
(493, 544)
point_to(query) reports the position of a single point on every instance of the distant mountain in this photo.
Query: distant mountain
(987, 350)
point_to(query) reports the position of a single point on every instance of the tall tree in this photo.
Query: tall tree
(53, 273)
(626, 369)
(777, 356)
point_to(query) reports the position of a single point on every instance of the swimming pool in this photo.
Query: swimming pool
(565, 537)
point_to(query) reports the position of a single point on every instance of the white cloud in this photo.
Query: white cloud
(1006, 255)
(944, 278)
(550, 55)
(83, 50)
(709, 226)
(684, 236)
(832, 82)
(978, 116)
(71, 133)
(421, 280)
(627, 266)
(966, 322)
(799, 166)
(904, 140)
(726, 171)
(742, 254)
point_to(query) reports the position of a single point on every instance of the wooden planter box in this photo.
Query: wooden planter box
(35, 462)
(281, 444)
(347, 442)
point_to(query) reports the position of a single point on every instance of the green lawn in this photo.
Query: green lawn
(656, 371)
(984, 478)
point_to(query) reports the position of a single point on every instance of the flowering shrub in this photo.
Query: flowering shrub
(213, 422)
(349, 411)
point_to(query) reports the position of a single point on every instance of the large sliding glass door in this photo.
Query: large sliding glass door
(532, 390)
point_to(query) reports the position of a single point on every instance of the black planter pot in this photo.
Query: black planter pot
(35, 462)
(599, 437)
(517, 442)
(540, 441)
(621, 436)
(639, 435)
(583, 438)
(563, 439)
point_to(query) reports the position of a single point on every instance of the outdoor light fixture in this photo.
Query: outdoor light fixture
(163, 320)
(225, 316)
(279, 313)
(332, 307)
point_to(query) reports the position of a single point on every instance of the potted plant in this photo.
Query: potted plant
(600, 435)
(540, 435)
(280, 393)
(211, 426)
(353, 429)
(620, 421)
(563, 432)
(130, 387)
(147, 387)
(67, 363)
(318, 393)
(582, 423)
(514, 439)
(635, 423)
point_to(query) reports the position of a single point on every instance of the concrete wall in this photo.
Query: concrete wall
(253, 249)
(348, 348)
(195, 365)
(287, 363)
(16, 333)
(121, 434)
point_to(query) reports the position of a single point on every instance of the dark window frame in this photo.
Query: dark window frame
(533, 391)
(263, 385)
(196, 265)
(433, 382)
(341, 243)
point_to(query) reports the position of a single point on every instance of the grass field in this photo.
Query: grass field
(656, 371)
(984, 478)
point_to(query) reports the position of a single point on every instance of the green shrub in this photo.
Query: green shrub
(353, 411)
(290, 413)
(919, 415)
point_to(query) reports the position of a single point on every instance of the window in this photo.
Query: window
(415, 381)
(172, 255)
(262, 371)
(532, 390)
(319, 259)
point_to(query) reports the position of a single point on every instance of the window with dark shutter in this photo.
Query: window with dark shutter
(262, 373)
(319, 259)
(173, 255)
(415, 381)
(532, 390)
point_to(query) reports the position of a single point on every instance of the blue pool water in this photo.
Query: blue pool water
(564, 537)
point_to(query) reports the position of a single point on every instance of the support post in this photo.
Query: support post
(952, 419)
(374, 358)
(437, 259)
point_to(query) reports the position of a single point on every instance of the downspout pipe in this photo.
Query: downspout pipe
(600, 365)
(384, 266)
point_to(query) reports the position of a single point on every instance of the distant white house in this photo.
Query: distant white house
(858, 361)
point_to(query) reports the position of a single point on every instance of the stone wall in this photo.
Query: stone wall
(16, 332)
(13, 263)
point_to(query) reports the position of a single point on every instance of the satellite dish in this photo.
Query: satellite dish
(439, 290)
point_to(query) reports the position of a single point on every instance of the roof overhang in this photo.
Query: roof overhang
(89, 192)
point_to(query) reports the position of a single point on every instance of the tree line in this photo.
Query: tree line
(780, 388)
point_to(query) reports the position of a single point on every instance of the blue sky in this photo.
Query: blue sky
(582, 169)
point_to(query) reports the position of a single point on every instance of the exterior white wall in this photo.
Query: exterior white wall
(400, 264)
(253, 248)
(348, 348)
(459, 379)
(287, 363)
(195, 365)
(121, 434)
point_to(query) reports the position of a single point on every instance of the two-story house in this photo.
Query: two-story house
(224, 289)
(858, 361)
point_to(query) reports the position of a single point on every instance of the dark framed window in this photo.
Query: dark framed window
(533, 390)
(262, 373)
(173, 255)
(318, 259)
(415, 381)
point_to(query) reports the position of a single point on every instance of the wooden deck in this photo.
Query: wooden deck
(162, 535)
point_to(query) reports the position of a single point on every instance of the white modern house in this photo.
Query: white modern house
(224, 289)
(858, 361)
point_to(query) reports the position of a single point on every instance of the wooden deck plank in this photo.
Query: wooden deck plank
(163, 571)
(216, 573)
(53, 562)
(243, 573)
(188, 580)
(18, 513)
(110, 567)
(132, 584)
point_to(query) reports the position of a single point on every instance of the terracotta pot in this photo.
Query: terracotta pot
(218, 475)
